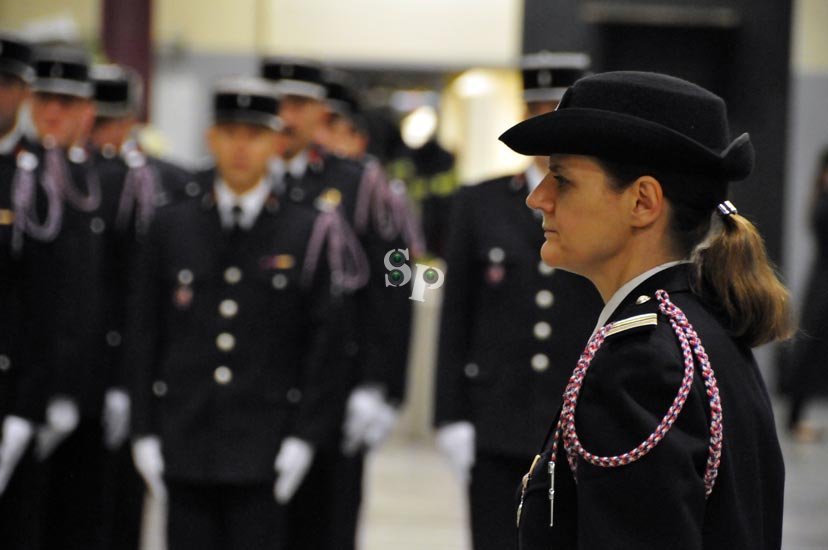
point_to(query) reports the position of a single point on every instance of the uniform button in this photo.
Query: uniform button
(544, 269)
(297, 194)
(113, 338)
(542, 330)
(228, 308)
(97, 225)
(643, 299)
(280, 281)
(471, 370)
(540, 362)
(192, 188)
(225, 342)
(294, 395)
(496, 255)
(185, 277)
(108, 151)
(232, 275)
(544, 299)
(159, 388)
(223, 375)
(5, 363)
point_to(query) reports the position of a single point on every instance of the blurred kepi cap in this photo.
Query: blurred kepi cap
(248, 100)
(547, 75)
(118, 91)
(296, 77)
(341, 97)
(64, 71)
(16, 58)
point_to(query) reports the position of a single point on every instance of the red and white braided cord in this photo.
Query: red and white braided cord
(690, 346)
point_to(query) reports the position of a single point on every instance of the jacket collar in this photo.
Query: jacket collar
(674, 280)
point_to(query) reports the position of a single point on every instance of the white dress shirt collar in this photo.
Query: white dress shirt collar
(297, 166)
(251, 203)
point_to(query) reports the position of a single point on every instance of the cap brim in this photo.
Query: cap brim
(301, 88)
(271, 122)
(63, 86)
(621, 138)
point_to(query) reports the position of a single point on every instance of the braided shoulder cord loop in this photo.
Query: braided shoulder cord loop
(691, 347)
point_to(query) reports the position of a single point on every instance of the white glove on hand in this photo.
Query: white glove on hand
(368, 420)
(17, 433)
(146, 453)
(456, 442)
(292, 463)
(115, 418)
(62, 417)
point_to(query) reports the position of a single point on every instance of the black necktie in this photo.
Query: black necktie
(237, 218)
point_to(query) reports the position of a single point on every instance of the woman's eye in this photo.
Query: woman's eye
(562, 181)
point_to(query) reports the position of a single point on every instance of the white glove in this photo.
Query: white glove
(369, 420)
(115, 418)
(292, 463)
(62, 417)
(456, 442)
(17, 433)
(146, 454)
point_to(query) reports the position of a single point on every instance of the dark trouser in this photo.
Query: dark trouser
(73, 500)
(20, 520)
(224, 517)
(123, 500)
(325, 511)
(492, 500)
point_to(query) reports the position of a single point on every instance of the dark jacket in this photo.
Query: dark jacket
(658, 502)
(227, 349)
(512, 329)
(381, 316)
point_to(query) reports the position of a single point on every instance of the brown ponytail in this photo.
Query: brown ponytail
(734, 273)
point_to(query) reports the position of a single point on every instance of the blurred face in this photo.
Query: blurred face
(302, 118)
(583, 216)
(342, 138)
(61, 117)
(111, 131)
(242, 153)
(13, 92)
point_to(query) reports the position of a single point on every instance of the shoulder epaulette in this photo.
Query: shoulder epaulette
(637, 321)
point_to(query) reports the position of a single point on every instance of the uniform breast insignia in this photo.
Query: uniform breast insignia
(329, 200)
(495, 271)
(277, 261)
(638, 321)
(183, 297)
(6, 216)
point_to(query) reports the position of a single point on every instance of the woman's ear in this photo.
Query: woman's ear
(648, 201)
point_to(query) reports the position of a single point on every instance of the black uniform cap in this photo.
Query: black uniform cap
(547, 75)
(16, 58)
(248, 100)
(342, 97)
(639, 118)
(296, 77)
(118, 90)
(64, 71)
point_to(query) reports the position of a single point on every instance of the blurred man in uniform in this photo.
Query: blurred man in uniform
(19, 410)
(134, 185)
(57, 235)
(512, 328)
(326, 510)
(234, 320)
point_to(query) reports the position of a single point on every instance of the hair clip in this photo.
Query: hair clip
(726, 208)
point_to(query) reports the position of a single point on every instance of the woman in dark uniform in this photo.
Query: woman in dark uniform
(666, 438)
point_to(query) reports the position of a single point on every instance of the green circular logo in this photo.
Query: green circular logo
(397, 259)
(396, 276)
(430, 276)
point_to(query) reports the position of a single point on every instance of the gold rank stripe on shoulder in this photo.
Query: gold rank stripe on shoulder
(6, 216)
(647, 319)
